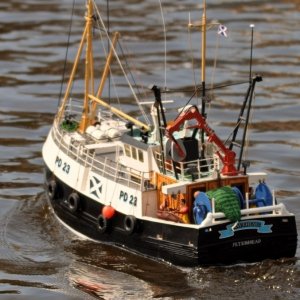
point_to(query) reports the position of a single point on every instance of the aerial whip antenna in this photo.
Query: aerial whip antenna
(165, 42)
(251, 51)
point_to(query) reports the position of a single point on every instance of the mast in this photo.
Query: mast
(105, 72)
(203, 68)
(88, 68)
(203, 27)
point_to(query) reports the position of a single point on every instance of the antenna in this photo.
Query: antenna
(251, 52)
(165, 42)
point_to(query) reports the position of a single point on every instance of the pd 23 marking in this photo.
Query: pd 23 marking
(63, 165)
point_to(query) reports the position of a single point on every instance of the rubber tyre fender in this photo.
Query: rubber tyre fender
(52, 189)
(130, 223)
(102, 224)
(73, 202)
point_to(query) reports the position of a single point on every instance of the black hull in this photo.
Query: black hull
(179, 245)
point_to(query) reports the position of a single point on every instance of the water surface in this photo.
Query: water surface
(39, 258)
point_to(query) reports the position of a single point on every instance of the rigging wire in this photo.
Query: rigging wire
(214, 68)
(66, 55)
(195, 93)
(106, 52)
(231, 134)
(200, 89)
(165, 42)
(102, 29)
(122, 68)
(127, 65)
(108, 19)
(208, 89)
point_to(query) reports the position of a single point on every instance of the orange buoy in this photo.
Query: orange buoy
(108, 212)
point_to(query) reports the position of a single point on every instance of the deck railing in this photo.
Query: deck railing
(190, 170)
(248, 213)
(102, 165)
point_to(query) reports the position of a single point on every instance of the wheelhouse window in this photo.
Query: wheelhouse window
(127, 150)
(141, 156)
(134, 154)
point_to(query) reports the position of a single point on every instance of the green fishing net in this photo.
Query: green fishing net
(227, 202)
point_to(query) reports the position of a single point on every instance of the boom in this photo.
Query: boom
(192, 113)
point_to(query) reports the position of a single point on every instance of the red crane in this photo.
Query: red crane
(192, 113)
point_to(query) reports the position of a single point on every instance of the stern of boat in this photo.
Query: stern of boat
(251, 239)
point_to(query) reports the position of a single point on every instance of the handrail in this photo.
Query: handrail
(102, 166)
(184, 169)
(218, 217)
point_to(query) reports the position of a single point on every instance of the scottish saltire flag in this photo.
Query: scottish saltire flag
(222, 30)
(95, 186)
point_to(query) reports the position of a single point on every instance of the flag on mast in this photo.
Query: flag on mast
(222, 30)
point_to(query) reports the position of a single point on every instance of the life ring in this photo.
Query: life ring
(102, 224)
(52, 189)
(130, 224)
(73, 202)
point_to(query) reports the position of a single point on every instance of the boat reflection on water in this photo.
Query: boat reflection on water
(106, 284)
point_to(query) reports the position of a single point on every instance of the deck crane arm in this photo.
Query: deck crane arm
(226, 155)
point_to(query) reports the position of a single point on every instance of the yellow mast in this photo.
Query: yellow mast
(67, 93)
(108, 63)
(87, 115)
(85, 120)
(105, 72)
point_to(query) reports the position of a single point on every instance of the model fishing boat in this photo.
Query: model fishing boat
(169, 189)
